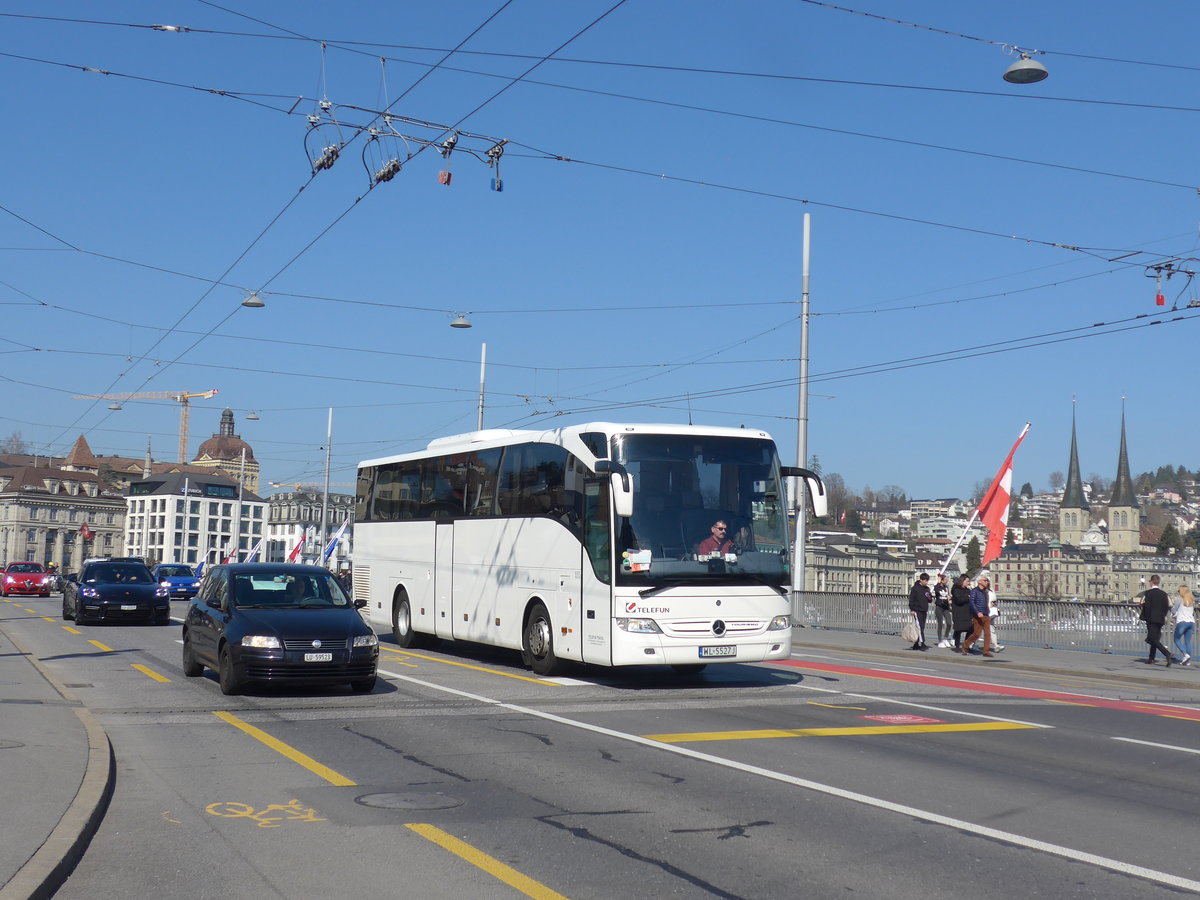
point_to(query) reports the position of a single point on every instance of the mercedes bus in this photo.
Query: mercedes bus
(606, 544)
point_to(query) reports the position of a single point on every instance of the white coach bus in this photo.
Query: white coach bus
(608, 544)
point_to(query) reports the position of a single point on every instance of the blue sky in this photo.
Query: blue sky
(644, 255)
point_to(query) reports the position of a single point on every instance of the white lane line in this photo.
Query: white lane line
(925, 706)
(1104, 862)
(1159, 746)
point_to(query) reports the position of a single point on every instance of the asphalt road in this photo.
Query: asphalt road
(463, 775)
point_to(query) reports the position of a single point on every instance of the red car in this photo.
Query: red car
(26, 578)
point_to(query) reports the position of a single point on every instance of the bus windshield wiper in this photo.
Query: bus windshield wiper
(670, 583)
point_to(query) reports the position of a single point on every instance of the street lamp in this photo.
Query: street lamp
(461, 322)
(253, 301)
(1025, 70)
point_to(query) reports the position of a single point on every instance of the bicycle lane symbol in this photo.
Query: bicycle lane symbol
(267, 817)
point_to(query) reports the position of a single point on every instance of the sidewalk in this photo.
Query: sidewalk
(1110, 666)
(56, 775)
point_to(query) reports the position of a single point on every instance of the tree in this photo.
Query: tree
(1170, 542)
(891, 496)
(1057, 481)
(14, 444)
(1038, 586)
(1100, 484)
(1027, 490)
(1009, 540)
(854, 521)
(974, 556)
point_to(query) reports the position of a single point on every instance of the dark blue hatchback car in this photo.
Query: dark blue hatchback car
(179, 580)
(277, 623)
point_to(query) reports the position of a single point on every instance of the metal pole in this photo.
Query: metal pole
(237, 527)
(325, 495)
(482, 371)
(798, 490)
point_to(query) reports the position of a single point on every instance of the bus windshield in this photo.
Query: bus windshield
(707, 509)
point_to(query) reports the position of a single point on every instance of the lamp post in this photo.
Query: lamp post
(798, 489)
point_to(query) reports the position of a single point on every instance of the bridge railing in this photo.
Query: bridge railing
(1099, 627)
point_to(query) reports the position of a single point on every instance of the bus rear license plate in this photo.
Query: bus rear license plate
(710, 652)
(318, 657)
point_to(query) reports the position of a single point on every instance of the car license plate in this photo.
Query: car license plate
(724, 650)
(318, 657)
(127, 607)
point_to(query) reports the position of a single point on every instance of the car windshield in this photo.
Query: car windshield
(175, 572)
(118, 573)
(267, 590)
(707, 509)
(26, 567)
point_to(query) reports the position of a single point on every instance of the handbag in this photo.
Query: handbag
(909, 630)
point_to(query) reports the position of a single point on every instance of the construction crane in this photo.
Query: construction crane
(180, 397)
(297, 485)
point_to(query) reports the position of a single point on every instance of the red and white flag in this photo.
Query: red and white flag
(296, 550)
(85, 532)
(993, 509)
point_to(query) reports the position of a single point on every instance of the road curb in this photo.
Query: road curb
(1010, 665)
(55, 859)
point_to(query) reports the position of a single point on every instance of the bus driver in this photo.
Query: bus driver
(717, 542)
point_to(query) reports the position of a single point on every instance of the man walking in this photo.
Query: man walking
(941, 611)
(979, 613)
(1155, 606)
(918, 604)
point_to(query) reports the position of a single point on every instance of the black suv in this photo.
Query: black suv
(115, 590)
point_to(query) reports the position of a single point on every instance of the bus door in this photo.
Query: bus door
(443, 578)
(595, 592)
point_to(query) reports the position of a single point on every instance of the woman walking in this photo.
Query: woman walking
(1184, 610)
(960, 609)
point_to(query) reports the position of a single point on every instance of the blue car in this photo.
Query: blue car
(179, 580)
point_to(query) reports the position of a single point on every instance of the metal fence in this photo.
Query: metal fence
(1099, 627)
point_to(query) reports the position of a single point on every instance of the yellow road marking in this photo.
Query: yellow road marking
(450, 662)
(148, 671)
(72, 630)
(103, 647)
(832, 706)
(290, 752)
(47, 618)
(831, 732)
(489, 864)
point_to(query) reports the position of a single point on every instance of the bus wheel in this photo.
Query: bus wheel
(538, 643)
(402, 630)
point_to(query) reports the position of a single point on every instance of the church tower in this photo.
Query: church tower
(1074, 514)
(1124, 517)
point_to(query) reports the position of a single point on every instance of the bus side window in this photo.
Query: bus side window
(596, 535)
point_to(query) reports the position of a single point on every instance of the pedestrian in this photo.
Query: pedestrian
(960, 609)
(994, 614)
(918, 604)
(1184, 611)
(982, 623)
(1155, 607)
(941, 610)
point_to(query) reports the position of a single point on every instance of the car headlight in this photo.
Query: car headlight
(46, 579)
(9, 579)
(165, 583)
(161, 592)
(779, 623)
(261, 641)
(366, 640)
(89, 592)
(639, 626)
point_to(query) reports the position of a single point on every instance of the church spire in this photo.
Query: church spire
(1073, 496)
(1123, 493)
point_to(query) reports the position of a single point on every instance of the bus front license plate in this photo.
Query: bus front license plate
(710, 652)
(318, 657)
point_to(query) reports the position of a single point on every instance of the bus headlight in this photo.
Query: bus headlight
(639, 626)
(779, 623)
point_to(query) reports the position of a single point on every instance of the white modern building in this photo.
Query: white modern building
(192, 519)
